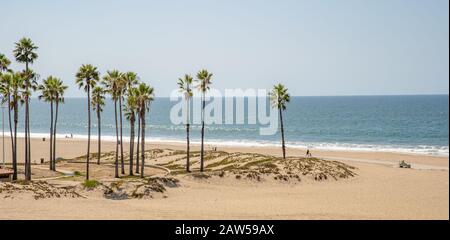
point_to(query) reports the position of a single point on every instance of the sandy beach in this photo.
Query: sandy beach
(379, 190)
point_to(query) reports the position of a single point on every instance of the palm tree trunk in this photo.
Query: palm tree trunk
(29, 142)
(116, 162)
(89, 131)
(29, 139)
(10, 125)
(143, 140)
(282, 134)
(27, 131)
(51, 136)
(138, 141)
(16, 113)
(131, 143)
(121, 139)
(99, 135)
(203, 133)
(54, 135)
(187, 148)
(26, 136)
(187, 136)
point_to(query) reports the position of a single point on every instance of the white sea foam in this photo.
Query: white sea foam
(421, 149)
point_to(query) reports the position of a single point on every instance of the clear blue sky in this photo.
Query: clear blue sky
(315, 47)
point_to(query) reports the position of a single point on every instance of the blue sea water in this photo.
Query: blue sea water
(412, 124)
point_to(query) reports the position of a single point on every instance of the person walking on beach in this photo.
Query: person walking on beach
(308, 153)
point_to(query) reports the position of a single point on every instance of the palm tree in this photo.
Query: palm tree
(25, 53)
(48, 94)
(130, 113)
(184, 85)
(204, 82)
(6, 92)
(144, 95)
(86, 78)
(131, 79)
(4, 63)
(59, 98)
(16, 81)
(126, 80)
(279, 97)
(53, 92)
(138, 110)
(112, 82)
(5, 89)
(98, 101)
(30, 84)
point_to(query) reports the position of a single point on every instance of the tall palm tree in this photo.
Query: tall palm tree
(130, 113)
(6, 92)
(130, 80)
(185, 86)
(98, 101)
(112, 81)
(144, 95)
(126, 80)
(25, 52)
(86, 78)
(48, 94)
(138, 110)
(30, 85)
(204, 82)
(59, 98)
(5, 89)
(16, 82)
(279, 97)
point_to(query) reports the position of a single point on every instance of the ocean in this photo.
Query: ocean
(416, 124)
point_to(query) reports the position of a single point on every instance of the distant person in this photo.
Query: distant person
(71, 135)
(308, 153)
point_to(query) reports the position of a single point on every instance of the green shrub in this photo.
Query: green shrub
(90, 184)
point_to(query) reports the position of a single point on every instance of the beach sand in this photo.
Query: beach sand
(380, 190)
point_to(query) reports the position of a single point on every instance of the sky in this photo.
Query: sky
(315, 47)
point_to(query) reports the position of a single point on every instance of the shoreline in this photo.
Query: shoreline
(75, 147)
(250, 144)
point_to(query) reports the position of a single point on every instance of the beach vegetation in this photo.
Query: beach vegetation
(90, 184)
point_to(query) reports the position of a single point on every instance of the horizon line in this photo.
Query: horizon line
(350, 95)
